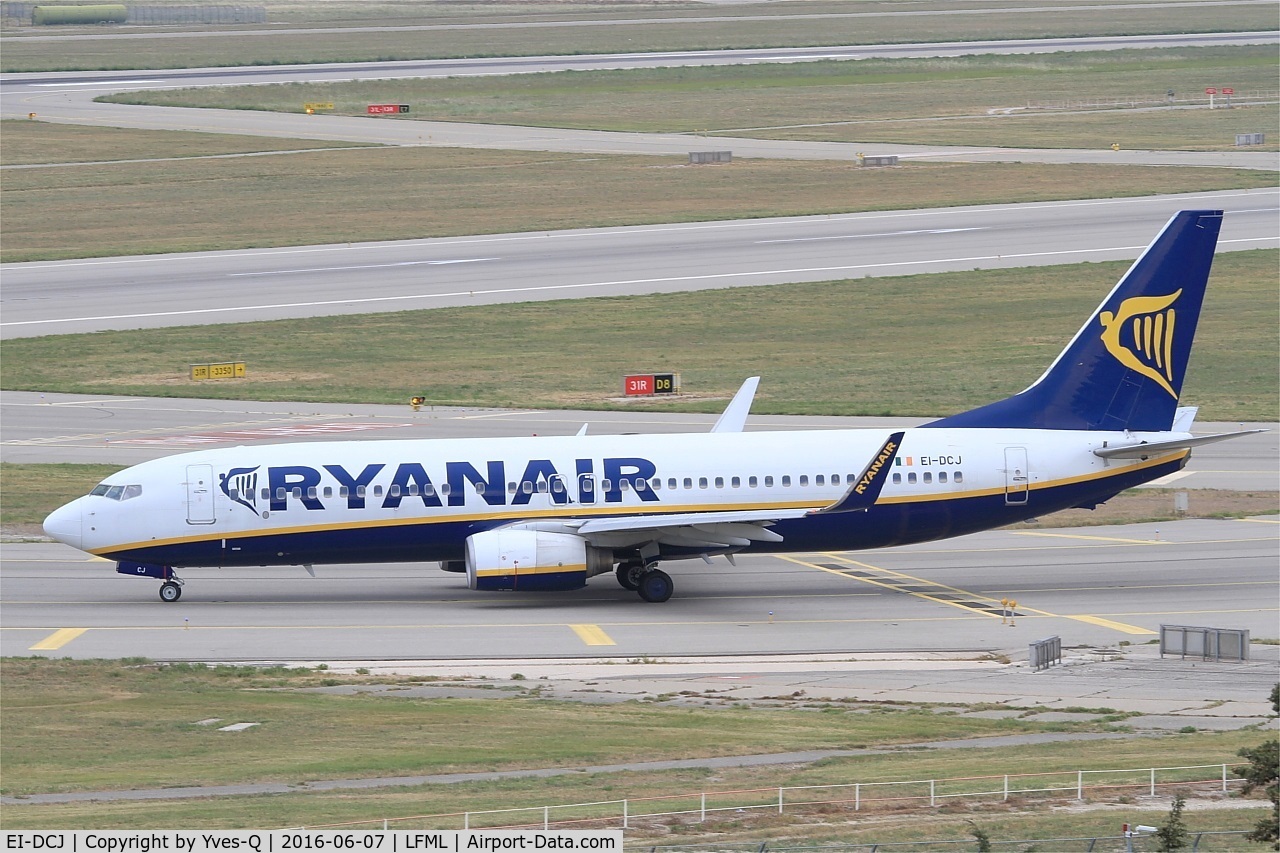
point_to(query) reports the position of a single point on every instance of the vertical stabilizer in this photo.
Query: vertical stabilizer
(1123, 370)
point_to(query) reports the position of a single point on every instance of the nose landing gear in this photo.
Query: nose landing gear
(170, 590)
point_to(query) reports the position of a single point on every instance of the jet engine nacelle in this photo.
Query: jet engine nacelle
(514, 558)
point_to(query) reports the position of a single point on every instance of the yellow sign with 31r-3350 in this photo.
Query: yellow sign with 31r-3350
(218, 370)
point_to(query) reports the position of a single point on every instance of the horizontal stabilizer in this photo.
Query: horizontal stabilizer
(863, 493)
(1150, 448)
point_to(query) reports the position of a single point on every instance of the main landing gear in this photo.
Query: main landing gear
(653, 584)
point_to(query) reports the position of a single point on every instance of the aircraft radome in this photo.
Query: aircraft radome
(548, 513)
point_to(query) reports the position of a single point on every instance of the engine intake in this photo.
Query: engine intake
(514, 558)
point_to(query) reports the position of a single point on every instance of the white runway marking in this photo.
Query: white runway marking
(361, 267)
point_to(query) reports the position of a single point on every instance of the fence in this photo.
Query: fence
(1240, 98)
(1206, 841)
(855, 796)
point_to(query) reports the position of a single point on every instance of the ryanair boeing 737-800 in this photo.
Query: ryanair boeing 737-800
(547, 513)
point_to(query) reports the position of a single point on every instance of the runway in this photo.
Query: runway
(76, 296)
(1091, 586)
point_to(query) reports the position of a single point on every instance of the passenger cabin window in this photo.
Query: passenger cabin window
(818, 481)
(786, 481)
(897, 478)
(958, 478)
(804, 479)
(736, 482)
(673, 483)
(928, 476)
(719, 482)
(752, 482)
(702, 482)
(688, 482)
(768, 482)
(911, 478)
(942, 476)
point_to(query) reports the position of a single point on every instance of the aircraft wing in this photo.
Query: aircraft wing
(735, 529)
(691, 529)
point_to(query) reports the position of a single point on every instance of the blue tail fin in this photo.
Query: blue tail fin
(1124, 369)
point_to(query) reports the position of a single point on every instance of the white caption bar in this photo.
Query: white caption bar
(307, 840)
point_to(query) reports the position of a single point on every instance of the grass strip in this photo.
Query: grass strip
(933, 345)
(871, 100)
(66, 714)
(99, 725)
(373, 194)
(28, 143)
(613, 28)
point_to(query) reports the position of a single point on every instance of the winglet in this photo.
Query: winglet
(734, 417)
(866, 489)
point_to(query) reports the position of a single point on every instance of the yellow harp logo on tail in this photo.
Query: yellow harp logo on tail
(1140, 336)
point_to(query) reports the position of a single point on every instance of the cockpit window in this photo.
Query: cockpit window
(116, 493)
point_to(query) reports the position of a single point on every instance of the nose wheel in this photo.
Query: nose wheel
(171, 590)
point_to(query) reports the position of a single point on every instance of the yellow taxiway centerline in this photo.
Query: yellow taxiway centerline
(972, 597)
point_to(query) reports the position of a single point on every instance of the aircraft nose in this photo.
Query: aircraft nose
(66, 525)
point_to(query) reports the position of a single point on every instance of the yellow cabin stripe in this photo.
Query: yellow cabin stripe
(57, 639)
(592, 635)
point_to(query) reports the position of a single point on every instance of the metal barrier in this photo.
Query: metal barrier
(1204, 643)
(1045, 653)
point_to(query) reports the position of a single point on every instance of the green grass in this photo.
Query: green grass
(91, 725)
(407, 193)
(73, 725)
(30, 492)
(780, 27)
(40, 143)
(915, 345)
(873, 100)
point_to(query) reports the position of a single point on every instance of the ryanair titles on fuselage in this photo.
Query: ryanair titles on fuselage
(273, 489)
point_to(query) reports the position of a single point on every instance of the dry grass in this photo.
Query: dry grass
(407, 193)
(778, 25)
